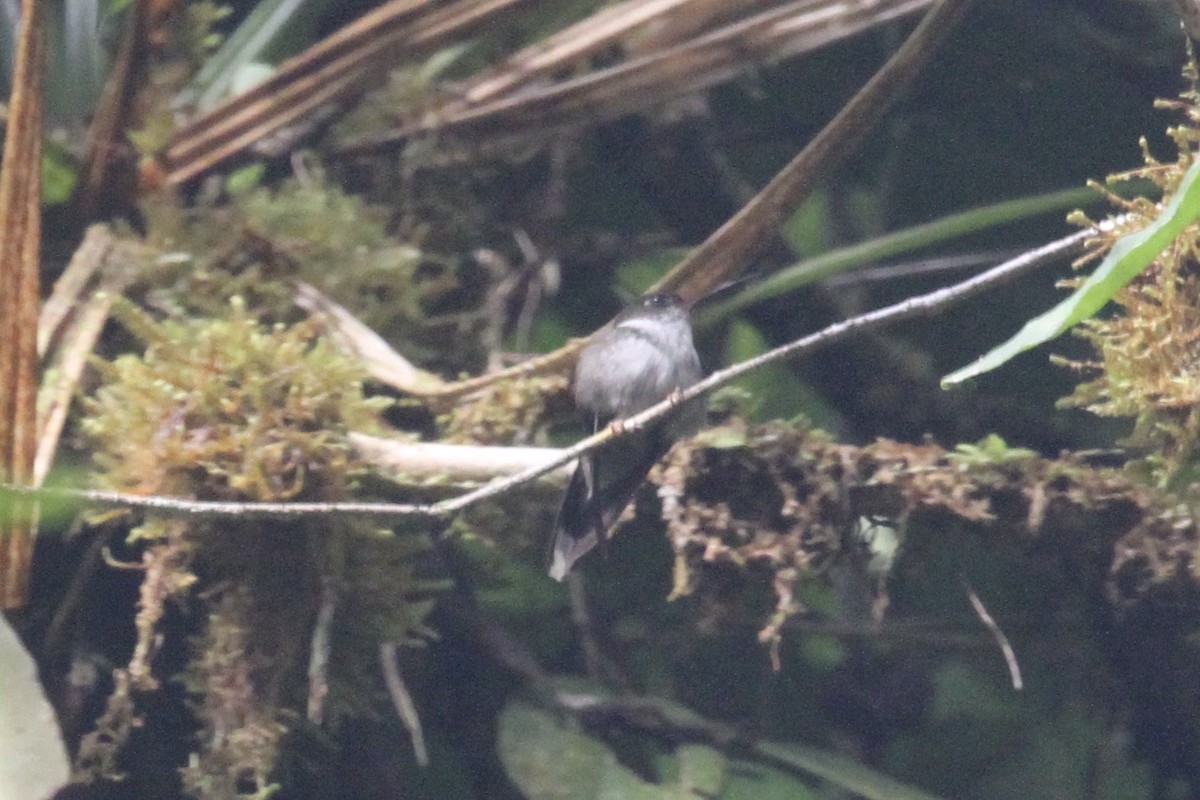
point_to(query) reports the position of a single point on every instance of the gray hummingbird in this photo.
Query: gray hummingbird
(641, 359)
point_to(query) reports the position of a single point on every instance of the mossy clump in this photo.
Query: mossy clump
(506, 412)
(263, 240)
(777, 507)
(1149, 352)
(228, 409)
(234, 409)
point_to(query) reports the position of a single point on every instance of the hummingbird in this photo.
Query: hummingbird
(645, 356)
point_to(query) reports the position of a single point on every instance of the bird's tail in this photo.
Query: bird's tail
(577, 529)
(597, 496)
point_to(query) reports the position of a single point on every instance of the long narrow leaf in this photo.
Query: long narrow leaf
(248, 43)
(842, 772)
(872, 251)
(1127, 258)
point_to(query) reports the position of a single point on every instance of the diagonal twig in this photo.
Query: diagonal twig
(731, 247)
(69, 326)
(402, 700)
(514, 103)
(1006, 648)
(334, 69)
(921, 305)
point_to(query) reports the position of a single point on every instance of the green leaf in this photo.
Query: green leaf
(59, 174)
(247, 76)
(809, 231)
(1127, 258)
(991, 449)
(723, 437)
(1057, 757)
(548, 755)
(776, 390)
(245, 180)
(822, 653)
(872, 251)
(441, 62)
(701, 770)
(757, 782)
(272, 30)
(842, 772)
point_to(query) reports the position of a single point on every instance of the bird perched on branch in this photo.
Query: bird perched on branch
(645, 356)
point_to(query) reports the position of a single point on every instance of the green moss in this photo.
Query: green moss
(506, 412)
(232, 408)
(228, 409)
(263, 241)
(1147, 367)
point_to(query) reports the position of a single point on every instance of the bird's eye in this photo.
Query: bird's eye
(658, 300)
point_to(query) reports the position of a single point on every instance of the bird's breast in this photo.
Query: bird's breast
(634, 365)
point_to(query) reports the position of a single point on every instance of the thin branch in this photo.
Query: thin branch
(180, 507)
(922, 305)
(104, 147)
(402, 700)
(67, 615)
(78, 279)
(559, 359)
(837, 262)
(582, 620)
(918, 268)
(732, 246)
(1010, 656)
(113, 562)
(320, 650)
(69, 326)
